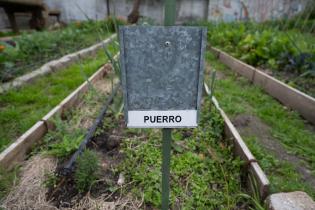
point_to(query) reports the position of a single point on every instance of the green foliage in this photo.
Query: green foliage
(263, 48)
(51, 180)
(204, 173)
(33, 50)
(239, 96)
(21, 108)
(87, 170)
(7, 180)
(263, 45)
(62, 142)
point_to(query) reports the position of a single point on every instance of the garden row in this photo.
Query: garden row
(116, 179)
(288, 55)
(133, 157)
(119, 178)
(27, 52)
(278, 137)
(22, 107)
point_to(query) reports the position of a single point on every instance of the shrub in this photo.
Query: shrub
(87, 170)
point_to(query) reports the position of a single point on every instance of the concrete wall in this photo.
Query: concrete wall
(220, 10)
(4, 23)
(223, 10)
(78, 9)
(258, 10)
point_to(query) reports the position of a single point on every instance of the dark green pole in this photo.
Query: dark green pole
(166, 152)
(169, 12)
(169, 20)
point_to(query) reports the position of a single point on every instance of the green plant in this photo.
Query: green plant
(254, 199)
(22, 108)
(32, 50)
(51, 180)
(204, 173)
(237, 96)
(62, 141)
(7, 180)
(261, 45)
(87, 170)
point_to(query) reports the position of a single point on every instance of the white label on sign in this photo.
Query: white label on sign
(162, 119)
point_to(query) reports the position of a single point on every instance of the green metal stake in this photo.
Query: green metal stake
(166, 147)
(169, 12)
(169, 20)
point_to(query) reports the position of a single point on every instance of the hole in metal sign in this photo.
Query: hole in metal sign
(167, 43)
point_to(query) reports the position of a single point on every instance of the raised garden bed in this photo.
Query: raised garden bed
(287, 95)
(56, 65)
(127, 162)
(22, 107)
(117, 147)
(277, 136)
(29, 51)
(287, 55)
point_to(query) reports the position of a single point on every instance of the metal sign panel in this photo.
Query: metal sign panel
(162, 75)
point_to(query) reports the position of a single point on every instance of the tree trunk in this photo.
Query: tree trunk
(134, 14)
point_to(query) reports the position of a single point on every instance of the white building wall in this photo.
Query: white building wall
(222, 10)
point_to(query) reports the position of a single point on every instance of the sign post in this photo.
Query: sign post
(166, 159)
(162, 79)
(169, 20)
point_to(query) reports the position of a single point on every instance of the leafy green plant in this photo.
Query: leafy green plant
(204, 173)
(62, 142)
(32, 50)
(87, 170)
(254, 199)
(264, 45)
(7, 180)
(302, 63)
(51, 180)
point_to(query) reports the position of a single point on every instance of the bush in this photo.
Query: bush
(265, 46)
(87, 170)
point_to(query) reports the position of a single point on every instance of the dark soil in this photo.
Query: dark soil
(106, 145)
(249, 125)
(304, 84)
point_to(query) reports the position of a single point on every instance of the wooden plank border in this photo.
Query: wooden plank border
(55, 65)
(288, 96)
(18, 150)
(252, 169)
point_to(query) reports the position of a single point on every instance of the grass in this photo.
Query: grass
(33, 50)
(21, 108)
(7, 179)
(204, 173)
(282, 175)
(237, 96)
(287, 55)
(7, 33)
(62, 141)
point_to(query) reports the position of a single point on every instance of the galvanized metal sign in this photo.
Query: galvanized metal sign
(162, 75)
